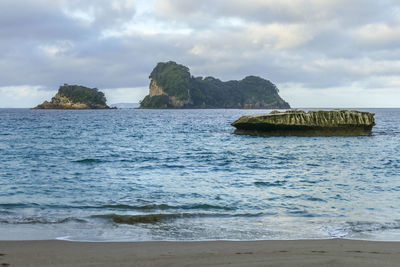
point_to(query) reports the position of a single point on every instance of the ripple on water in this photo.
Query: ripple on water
(88, 161)
(278, 183)
(182, 174)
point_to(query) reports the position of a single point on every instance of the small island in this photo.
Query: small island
(312, 123)
(172, 86)
(76, 97)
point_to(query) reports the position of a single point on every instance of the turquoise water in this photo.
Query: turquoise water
(126, 175)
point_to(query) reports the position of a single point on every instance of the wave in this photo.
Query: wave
(9, 206)
(4, 212)
(387, 133)
(304, 213)
(358, 227)
(139, 159)
(270, 184)
(18, 205)
(155, 218)
(88, 161)
(173, 166)
(361, 226)
(40, 220)
(316, 199)
(140, 219)
(167, 207)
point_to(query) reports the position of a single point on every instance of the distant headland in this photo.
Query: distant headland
(172, 86)
(76, 97)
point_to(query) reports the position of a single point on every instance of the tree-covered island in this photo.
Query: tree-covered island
(172, 86)
(76, 97)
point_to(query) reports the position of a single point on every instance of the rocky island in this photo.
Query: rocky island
(312, 123)
(76, 97)
(172, 86)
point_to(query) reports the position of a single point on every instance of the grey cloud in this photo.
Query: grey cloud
(30, 29)
(350, 12)
(31, 20)
(57, 19)
(46, 43)
(104, 13)
(105, 63)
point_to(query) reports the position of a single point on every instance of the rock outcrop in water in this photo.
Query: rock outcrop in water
(312, 123)
(76, 97)
(172, 86)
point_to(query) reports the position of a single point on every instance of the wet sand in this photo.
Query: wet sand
(334, 252)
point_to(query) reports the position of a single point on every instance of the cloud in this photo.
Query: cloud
(125, 95)
(279, 36)
(272, 11)
(23, 96)
(101, 13)
(317, 46)
(349, 96)
(379, 35)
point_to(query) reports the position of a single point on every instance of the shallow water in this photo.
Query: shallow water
(126, 175)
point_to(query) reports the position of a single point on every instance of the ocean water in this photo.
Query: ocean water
(140, 175)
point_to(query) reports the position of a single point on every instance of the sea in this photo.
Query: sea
(145, 175)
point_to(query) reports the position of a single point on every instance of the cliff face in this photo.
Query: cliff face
(172, 86)
(313, 123)
(155, 90)
(61, 102)
(173, 100)
(75, 97)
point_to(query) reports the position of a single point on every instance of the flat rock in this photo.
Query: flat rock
(312, 123)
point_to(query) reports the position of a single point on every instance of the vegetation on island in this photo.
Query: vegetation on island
(173, 78)
(172, 86)
(76, 97)
(158, 101)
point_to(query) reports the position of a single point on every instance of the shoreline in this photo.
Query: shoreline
(328, 252)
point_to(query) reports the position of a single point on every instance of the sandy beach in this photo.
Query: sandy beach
(335, 252)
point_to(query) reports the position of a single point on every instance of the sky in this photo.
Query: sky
(320, 53)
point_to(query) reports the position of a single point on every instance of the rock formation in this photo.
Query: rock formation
(76, 97)
(172, 86)
(312, 123)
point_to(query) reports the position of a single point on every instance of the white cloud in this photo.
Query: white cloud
(102, 13)
(56, 48)
(146, 27)
(85, 17)
(360, 66)
(278, 36)
(379, 34)
(125, 95)
(273, 11)
(351, 96)
(198, 50)
(23, 96)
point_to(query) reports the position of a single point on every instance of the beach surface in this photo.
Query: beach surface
(334, 252)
